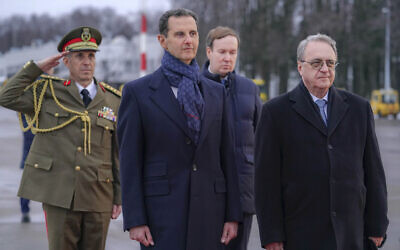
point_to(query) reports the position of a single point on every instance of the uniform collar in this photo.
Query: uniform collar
(91, 88)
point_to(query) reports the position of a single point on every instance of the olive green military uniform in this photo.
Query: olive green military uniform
(73, 165)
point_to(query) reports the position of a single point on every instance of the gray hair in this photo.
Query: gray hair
(163, 22)
(312, 38)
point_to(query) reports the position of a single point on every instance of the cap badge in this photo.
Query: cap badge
(86, 35)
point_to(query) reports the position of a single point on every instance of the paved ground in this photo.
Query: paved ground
(14, 235)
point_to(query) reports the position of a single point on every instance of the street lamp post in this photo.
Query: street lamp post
(386, 11)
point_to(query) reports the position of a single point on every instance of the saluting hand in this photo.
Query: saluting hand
(229, 232)
(141, 234)
(48, 63)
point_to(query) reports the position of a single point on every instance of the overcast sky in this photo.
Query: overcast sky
(58, 7)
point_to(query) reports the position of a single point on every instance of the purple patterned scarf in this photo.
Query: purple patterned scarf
(185, 78)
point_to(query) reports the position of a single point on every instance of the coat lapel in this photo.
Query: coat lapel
(164, 98)
(74, 92)
(303, 106)
(337, 108)
(100, 95)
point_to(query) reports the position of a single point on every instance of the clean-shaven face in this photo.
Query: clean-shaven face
(182, 39)
(223, 55)
(317, 80)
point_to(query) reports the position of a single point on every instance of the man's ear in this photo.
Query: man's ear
(66, 60)
(208, 52)
(299, 67)
(162, 40)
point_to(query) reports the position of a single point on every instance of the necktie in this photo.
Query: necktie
(321, 105)
(86, 97)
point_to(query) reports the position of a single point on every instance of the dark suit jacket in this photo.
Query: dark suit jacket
(316, 187)
(243, 96)
(182, 192)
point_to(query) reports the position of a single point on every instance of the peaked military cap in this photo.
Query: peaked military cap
(82, 38)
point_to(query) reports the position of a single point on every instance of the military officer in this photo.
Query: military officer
(72, 167)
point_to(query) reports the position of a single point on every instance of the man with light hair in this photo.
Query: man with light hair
(319, 181)
(243, 95)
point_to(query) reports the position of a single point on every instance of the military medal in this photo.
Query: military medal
(106, 113)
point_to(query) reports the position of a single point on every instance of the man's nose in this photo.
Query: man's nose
(188, 39)
(324, 67)
(227, 57)
(86, 60)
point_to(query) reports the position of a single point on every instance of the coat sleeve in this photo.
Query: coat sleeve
(130, 140)
(267, 184)
(375, 216)
(115, 169)
(13, 96)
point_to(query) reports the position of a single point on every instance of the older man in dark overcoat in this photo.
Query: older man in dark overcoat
(320, 183)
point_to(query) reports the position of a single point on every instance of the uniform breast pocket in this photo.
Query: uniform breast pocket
(53, 116)
(102, 135)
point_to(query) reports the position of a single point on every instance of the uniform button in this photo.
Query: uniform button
(330, 146)
(194, 167)
(77, 168)
(36, 165)
(79, 149)
(86, 112)
(56, 114)
(334, 214)
(106, 127)
(83, 130)
(108, 180)
(188, 141)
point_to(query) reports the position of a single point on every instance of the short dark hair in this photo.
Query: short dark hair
(218, 33)
(163, 22)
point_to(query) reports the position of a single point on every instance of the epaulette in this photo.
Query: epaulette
(111, 89)
(45, 76)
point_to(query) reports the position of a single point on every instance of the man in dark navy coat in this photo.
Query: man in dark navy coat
(179, 179)
(320, 183)
(222, 46)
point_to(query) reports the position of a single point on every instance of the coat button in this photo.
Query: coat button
(36, 165)
(83, 130)
(56, 114)
(108, 180)
(188, 141)
(86, 112)
(79, 149)
(106, 127)
(77, 168)
(330, 146)
(334, 214)
(194, 167)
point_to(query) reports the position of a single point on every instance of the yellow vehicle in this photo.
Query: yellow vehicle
(385, 102)
(263, 89)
